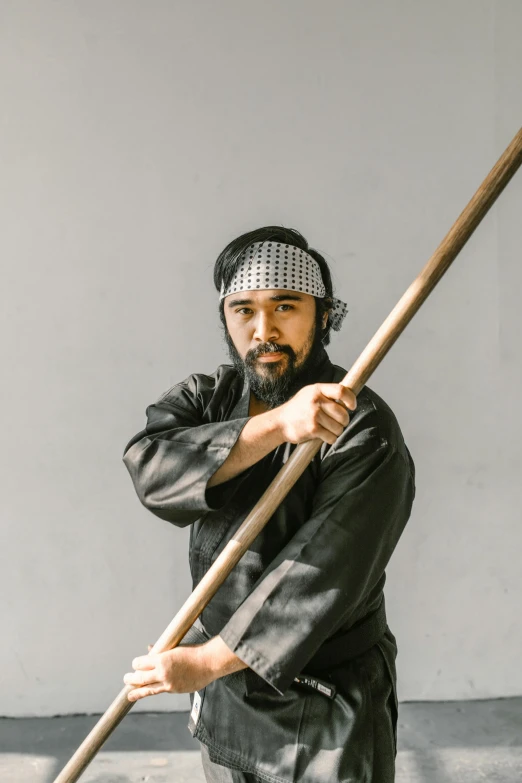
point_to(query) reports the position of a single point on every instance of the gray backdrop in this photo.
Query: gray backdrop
(137, 139)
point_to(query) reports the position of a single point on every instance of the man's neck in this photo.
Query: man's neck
(256, 406)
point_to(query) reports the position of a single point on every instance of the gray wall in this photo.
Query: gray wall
(136, 140)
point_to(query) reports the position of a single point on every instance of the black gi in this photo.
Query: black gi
(316, 570)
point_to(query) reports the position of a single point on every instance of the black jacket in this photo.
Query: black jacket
(315, 570)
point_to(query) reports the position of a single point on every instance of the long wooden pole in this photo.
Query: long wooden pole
(360, 372)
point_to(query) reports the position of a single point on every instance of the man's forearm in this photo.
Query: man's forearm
(316, 411)
(220, 658)
(260, 435)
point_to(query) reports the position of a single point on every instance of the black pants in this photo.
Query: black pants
(215, 773)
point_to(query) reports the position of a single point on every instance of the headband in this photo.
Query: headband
(268, 265)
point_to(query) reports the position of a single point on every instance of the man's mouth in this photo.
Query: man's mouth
(270, 357)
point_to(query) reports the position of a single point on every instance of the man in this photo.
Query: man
(292, 663)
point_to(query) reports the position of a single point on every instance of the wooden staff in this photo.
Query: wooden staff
(367, 362)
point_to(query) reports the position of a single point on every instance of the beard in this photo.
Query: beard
(275, 382)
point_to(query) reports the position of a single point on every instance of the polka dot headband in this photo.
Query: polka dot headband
(267, 265)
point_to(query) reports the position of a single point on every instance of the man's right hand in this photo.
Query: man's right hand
(316, 411)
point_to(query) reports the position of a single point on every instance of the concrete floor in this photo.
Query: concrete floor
(453, 742)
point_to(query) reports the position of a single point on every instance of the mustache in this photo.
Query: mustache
(264, 348)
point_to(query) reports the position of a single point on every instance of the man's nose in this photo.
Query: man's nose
(265, 329)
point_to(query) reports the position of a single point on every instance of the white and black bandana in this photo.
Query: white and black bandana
(268, 265)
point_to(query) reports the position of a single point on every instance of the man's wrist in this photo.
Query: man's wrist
(219, 660)
(273, 421)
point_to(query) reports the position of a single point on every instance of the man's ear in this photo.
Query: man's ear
(325, 319)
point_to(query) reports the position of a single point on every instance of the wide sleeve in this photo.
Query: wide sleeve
(322, 576)
(172, 459)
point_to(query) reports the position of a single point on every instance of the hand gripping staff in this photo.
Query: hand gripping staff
(361, 371)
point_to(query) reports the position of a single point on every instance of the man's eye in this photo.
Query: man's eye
(285, 307)
(244, 311)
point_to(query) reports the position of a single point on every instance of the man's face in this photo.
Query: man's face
(272, 339)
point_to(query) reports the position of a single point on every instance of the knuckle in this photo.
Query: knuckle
(316, 392)
(161, 671)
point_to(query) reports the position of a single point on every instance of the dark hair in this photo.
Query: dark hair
(229, 260)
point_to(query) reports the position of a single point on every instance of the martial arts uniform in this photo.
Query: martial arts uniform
(306, 600)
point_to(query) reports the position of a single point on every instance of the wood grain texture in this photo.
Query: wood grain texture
(355, 379)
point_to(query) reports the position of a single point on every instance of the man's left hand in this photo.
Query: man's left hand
(183, 670)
